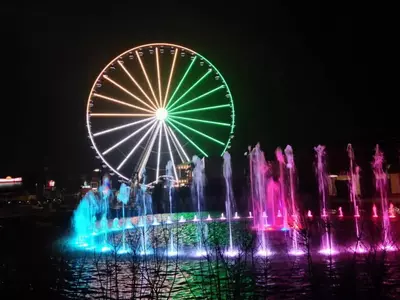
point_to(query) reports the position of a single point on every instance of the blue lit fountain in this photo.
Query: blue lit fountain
(172, 249)
(123, 197)
(145, 202)
(84, 220)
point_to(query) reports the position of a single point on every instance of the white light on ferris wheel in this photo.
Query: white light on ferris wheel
(161, 114)
(157, 103)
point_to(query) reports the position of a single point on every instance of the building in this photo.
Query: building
(394, 182)
(184, 171)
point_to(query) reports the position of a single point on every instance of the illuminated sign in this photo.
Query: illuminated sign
(9, 179)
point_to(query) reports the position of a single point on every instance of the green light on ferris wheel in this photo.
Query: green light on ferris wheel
(172, 117)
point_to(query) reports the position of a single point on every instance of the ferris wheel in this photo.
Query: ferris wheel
(157, 103)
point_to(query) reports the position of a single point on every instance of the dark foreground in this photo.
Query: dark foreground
(33, 267)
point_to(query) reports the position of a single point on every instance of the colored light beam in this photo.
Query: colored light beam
(177, 145)
(187, 138)
(191, 88)
(136, 146)
(128, 137)
(159, 78)
(147, 77)
(126, 91)
(197, 98)
(198, 132)
(120, 102)
(170, 77)
(158, 153)
(201, 121)
(182, 80)
(199, 109)
(121, 63)
(122, 126)
(119, 115)
(170, 152)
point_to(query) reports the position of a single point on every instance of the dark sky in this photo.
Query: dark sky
(300, 74)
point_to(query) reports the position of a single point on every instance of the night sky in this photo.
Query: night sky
(300, 74)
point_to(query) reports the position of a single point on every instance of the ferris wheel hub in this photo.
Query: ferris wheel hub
(161, 114)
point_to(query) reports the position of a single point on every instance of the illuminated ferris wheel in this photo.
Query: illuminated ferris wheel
(157, 103)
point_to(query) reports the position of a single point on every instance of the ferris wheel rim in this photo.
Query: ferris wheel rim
(156, 44)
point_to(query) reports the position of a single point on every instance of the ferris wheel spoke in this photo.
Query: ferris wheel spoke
(136, 146)
(170, 152)
(199, 109)
(126, 91)
(120, 115)
(171, 73)
(150, 147)
(121, 102)
(191, 88)
(136, 83)
(187, 138)
(121, 127)
(197, 98)
(180, 82)
(147, 77)
(158, 153)
(177, 145)
(159, 78)
(128, 137)
(201, 121)
(198, 132)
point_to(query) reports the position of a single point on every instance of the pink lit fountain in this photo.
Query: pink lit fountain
(374, 211)
(258, 188)
(353, 183)
(273, 195)
(391, 211)
(282, 200)
(292, 203)
(340, 212)
(381, 188)
(322, 176)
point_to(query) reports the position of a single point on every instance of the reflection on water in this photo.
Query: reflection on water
(30, 267)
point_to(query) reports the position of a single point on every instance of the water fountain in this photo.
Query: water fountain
(142, 198)
(327, 244)
(229, 199)
(381, 188)
(374, 211)
(123, 197)
(258, 187)
(172, 249)
(353, 175)
(105, 194)
(252, 200)
(275, 207)
(282, 201)
(340, 212)
(292, 204)
(391, 211)
(198, 183)
(84, 220)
